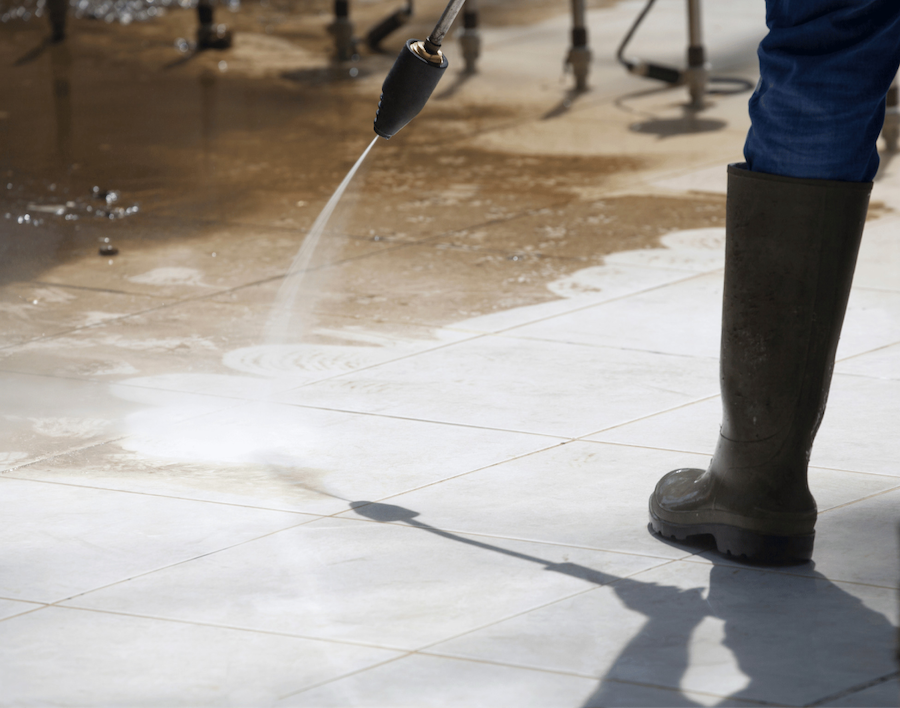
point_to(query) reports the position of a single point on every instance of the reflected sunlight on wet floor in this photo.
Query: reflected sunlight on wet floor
(430, 489)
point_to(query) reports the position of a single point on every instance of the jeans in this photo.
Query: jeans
(825, 68)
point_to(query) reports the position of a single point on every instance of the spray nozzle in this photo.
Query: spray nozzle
(414, 76)
(408, 86)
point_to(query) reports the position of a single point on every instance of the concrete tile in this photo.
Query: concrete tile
(589, 230)
(194, 346)
(423, 680)
(579, 494)
(102, 659)
(583, 288)
(883, 693)
(428, 284)
(685, 318)
(542, 387)
(737, 632)
(859, 542)
(881, 363)
(857, 432)
(44, 415)
(60, 541)
(11, 608)
(33, 310)
(859, 427)
(281, 457)
(879, 256)
(698, 250)
(377, 583)
(682, 318)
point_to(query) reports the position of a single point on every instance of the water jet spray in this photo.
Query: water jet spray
(414, 76)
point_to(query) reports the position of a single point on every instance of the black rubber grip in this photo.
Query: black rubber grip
(406, 89)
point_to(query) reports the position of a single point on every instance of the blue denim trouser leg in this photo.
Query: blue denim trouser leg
(825, 68)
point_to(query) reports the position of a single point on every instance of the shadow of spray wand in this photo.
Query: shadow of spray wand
(389, 513)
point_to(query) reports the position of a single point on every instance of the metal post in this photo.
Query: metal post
(57, 10)
(470, 38)
(579, 56)
(697, 72)
(342, 30)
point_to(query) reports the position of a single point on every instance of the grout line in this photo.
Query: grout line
(593, 677)
(345, 676)
(666, 411)
(677, 281)
(594, 588)
(774, 570)
(855, 689)
(137, 492)
(862, 499)
(235, 628)
(178, 563)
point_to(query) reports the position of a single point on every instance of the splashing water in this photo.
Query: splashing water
(282, 309)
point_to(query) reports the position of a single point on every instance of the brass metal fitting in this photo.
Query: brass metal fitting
(418, 48)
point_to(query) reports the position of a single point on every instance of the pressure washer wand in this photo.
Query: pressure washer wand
(414, 76)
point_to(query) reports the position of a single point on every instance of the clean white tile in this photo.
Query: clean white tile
(580, 493)
(427, 681)
(879, 255)
(393, 585)
(422, 680)
(282, 457)
(540, 387)
(582, 288)
(61, 656)
(882, 363)
(738, 632)
(11, 608)
(857, 433)
(683, 318)
(861, 426)
(698, 250)
(872, 321)
(860, 542)
(58, 540)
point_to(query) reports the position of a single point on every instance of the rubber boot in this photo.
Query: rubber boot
(790, 252)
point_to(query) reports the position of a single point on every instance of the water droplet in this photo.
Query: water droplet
(34, 302)
(223, 65)
(354, 72)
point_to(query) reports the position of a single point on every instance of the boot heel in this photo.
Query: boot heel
(743, 544)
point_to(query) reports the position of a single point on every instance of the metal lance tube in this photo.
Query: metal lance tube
(433, 43)
(413, 77)
(579, 56)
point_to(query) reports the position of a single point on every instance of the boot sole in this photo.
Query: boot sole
(741, 543)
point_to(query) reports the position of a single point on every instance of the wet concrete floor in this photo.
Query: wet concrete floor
(507, 334)
(259, 136)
